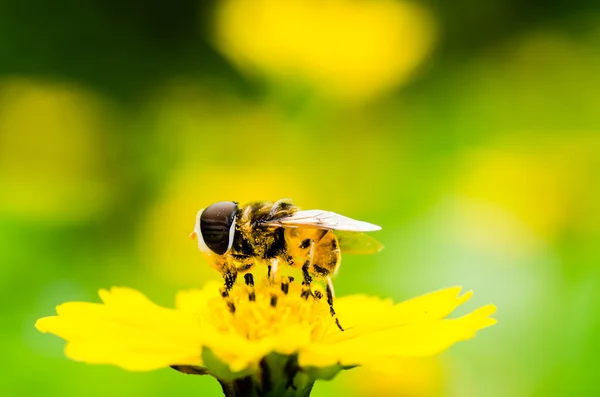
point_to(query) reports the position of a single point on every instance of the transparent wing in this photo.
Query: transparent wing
(323, 220)
(357, 243)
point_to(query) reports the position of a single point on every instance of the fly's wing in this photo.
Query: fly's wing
(357, 243)
(317, 219)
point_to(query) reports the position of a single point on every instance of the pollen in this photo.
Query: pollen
(268, 309)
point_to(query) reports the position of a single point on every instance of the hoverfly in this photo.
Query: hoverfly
(234, 238)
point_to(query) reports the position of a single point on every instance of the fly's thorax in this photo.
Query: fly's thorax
(249, 240)
(252, 237)
(256, 241)
(264, 211)
(243, 242)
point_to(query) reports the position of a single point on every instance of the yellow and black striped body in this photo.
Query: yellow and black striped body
(316, 250)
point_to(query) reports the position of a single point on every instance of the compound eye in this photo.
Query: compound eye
(217, 225)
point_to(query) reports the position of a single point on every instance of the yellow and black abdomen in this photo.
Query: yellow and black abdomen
(326, 256)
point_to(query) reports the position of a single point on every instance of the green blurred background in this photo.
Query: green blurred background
(468, 129)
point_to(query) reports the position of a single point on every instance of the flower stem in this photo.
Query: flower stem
(246, 387)
(278, 376)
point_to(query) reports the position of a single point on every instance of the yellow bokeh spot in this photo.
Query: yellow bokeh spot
(393, 377)
(542, 182)
(346, 49)
(51, 165)
(522, 184)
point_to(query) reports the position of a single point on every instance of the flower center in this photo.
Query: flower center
(271, 308)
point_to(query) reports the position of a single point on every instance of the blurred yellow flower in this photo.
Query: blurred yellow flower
(521, 182)
(346, 49)
(542, 180)
(51, 163)
(398, 377)
(272, 339)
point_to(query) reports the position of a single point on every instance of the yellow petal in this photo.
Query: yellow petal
(361, 314)
(434, 305)
(128, 330)
(134, 358)
(423, 338)
(241, 353)
(195, 300)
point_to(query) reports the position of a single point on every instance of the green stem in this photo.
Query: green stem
(247, 387)
(278, 376)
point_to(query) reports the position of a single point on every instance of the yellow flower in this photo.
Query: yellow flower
(53, 166)
(260, 337)
(346, 49)
(397, 377)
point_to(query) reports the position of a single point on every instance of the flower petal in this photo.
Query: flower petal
(360, 314)
(424, 338)
(241, 353)
(144, 357)
(195, 300)
(128, 330)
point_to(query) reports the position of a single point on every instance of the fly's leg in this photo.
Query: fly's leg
(272, 268)
(306, 277)
(240, 264)
(307, 266)
(249, 280)
(229, 272)
(330, 294)
(230, 276)
(285, 284)
(306, 280)
(282, 257)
